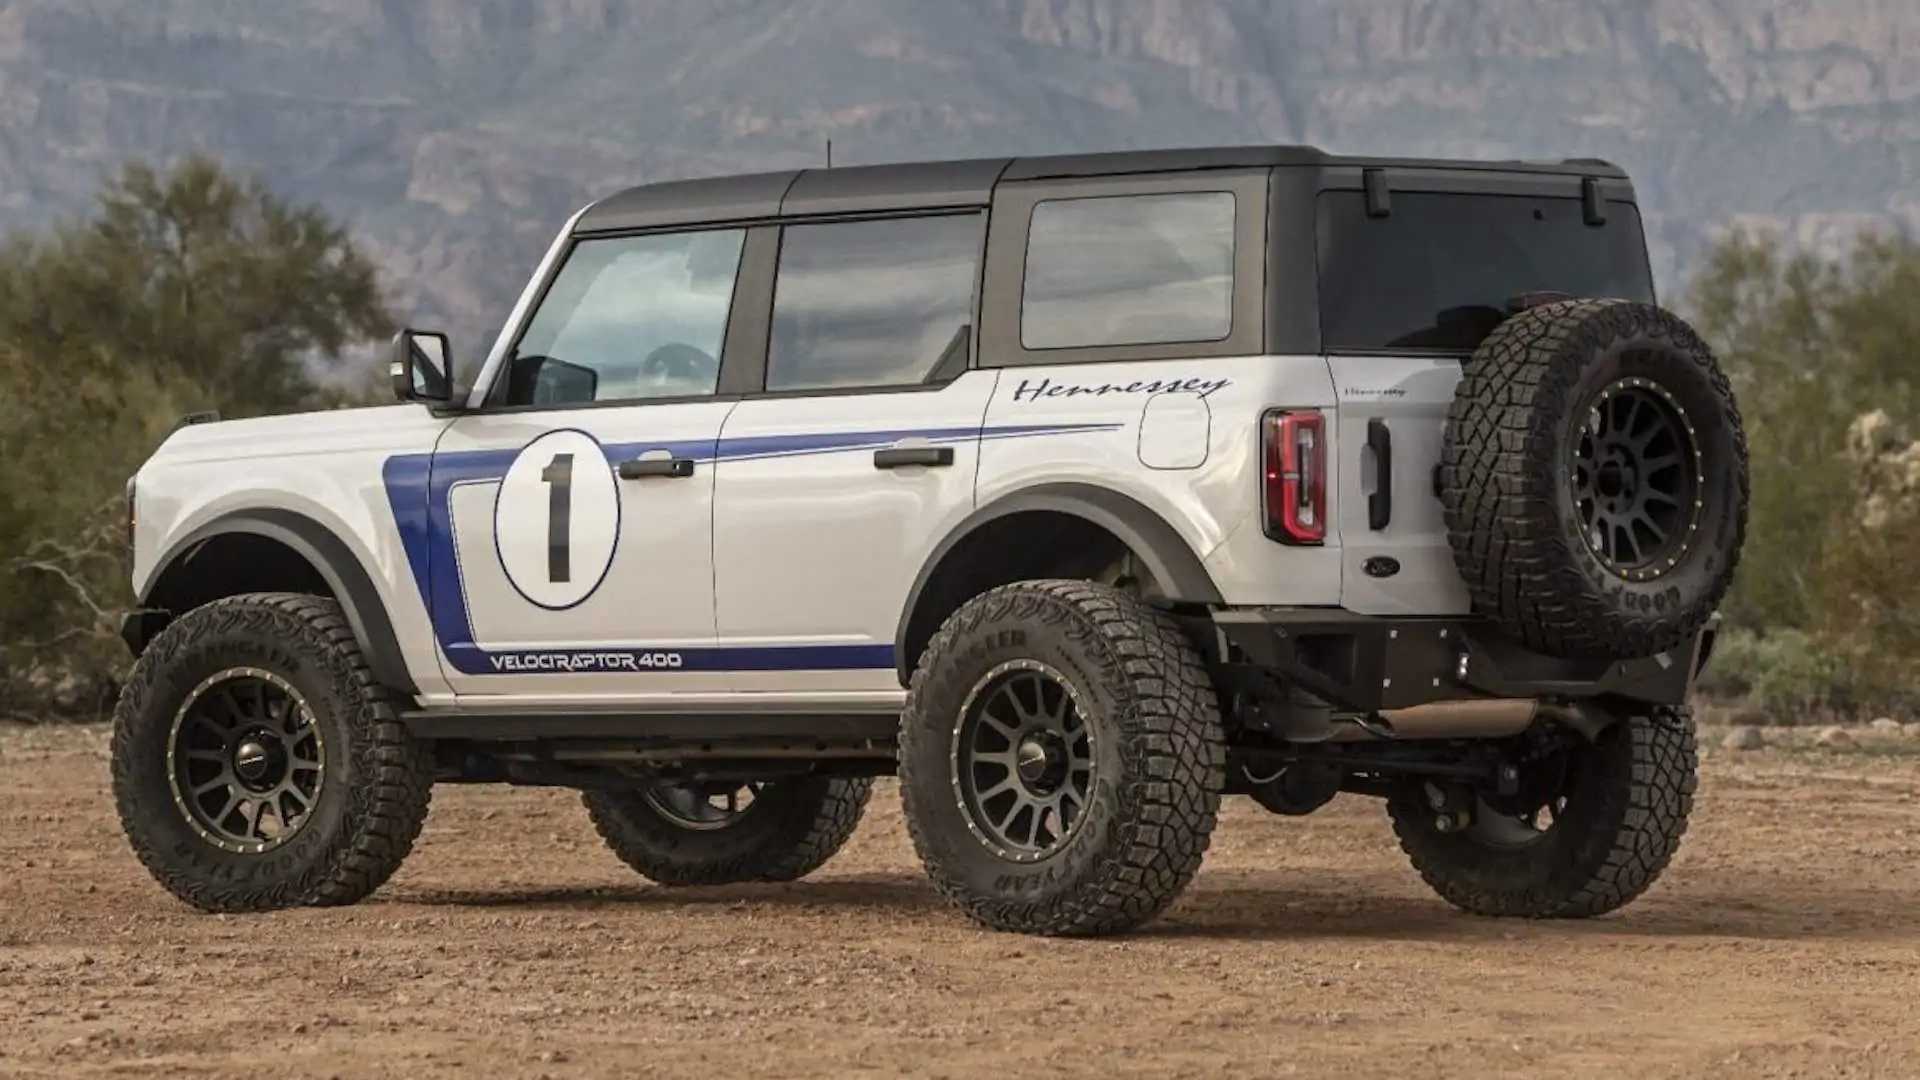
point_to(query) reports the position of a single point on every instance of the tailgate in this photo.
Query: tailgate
(1395, 557)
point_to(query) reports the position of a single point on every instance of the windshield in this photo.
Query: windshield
(1441, 271)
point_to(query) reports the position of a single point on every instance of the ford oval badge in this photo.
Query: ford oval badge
(1381, 566)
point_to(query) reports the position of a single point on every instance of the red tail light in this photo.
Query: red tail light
(1296, 476)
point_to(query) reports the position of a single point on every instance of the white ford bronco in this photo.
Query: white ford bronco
(1080, 491)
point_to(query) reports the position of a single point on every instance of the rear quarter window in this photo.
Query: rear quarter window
(1129, 270)
(1442, 270)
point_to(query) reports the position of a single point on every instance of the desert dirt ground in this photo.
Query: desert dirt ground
(1784, 941)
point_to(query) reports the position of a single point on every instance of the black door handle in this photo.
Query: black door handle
(677, 467)
(1380, 503)
(898, 456)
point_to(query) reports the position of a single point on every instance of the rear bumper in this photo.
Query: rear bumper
(1369, 663)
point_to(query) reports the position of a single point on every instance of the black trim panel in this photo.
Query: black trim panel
(1368, 663)
(688, 202)
(1173, 564)
(498, 726)
(1293, 265)
(349, 581)
(919, 185)
(743, 357)
(884, 188)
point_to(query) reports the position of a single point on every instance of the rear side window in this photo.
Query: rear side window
(1441, 271)
(1129, 270)
(872, 303)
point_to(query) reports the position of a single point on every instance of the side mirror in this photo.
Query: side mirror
(422, 366)
(543, 380)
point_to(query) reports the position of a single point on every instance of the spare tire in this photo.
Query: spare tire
(1594, 474)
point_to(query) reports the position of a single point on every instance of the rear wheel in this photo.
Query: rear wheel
(719, 833)
(1591, 828)
(1061, 759)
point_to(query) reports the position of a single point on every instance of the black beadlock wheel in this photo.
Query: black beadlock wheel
(258, 765)
(246, 760)
(1061, 759)
(1022, 761)
(1594, 478)
(1635, 467)
(1592, 827)
(721, 833)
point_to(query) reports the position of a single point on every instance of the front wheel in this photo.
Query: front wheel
(256, 763)
(1592, 827)
(1061, 759)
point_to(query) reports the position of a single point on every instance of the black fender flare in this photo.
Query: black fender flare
(1164, 552)
(329, 555)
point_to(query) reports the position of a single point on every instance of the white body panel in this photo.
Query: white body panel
(779, 571)
(648, 603)
(327, 466)
(816, 548)
(1410, 396)
(1214, 505)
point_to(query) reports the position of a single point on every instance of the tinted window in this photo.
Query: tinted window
(871, 303)
(1129, 270)
(1440, 271)
(630, 318)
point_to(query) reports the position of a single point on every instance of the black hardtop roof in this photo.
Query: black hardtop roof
(969, 183)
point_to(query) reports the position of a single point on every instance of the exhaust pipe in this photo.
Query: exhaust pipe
(1488, 718)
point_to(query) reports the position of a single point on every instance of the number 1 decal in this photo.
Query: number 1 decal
(558, 476)
(556, 519)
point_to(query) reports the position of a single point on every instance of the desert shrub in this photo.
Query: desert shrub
(1786, 675)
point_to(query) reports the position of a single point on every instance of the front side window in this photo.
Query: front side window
(629, 318)
(1129, 270)
(872, 303)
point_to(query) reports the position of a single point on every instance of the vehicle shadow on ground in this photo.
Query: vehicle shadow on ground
(902, 894)
(1270, 914)
(1290, 914)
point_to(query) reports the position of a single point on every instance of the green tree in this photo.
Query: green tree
(186, 289)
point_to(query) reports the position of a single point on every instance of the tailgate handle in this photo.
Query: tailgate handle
(1380, 503)
(902, 456)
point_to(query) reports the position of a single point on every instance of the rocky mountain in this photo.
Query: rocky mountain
(456, 135)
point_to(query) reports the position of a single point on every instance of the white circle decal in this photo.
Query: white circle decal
(557, 519)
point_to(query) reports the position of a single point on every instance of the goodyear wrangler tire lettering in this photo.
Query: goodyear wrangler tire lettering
(556, 520)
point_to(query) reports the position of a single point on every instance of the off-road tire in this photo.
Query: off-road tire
(1159, 753)
(1623, 825)
(792, 828)
(1510, 497)
(377, 782)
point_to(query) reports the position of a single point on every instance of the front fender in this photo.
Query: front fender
(346, 577)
